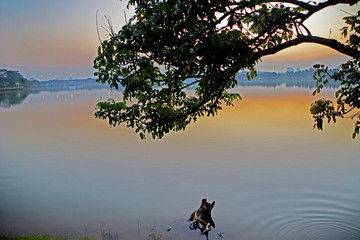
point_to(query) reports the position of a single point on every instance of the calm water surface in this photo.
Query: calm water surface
(273, 177)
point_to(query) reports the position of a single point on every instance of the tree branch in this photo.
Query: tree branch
(299, 3)
(320, 6)
(326, 4)
(332, 43)
(315, 8)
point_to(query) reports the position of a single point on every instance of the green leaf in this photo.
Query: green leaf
(354, 39)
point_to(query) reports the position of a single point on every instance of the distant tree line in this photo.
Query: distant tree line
(304, 78)
(74, 84)
(13, 79)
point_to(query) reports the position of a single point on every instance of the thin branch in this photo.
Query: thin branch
(326, 4)
(346, 112)
(231, 12)
(186, 86)
(97, 26)
(299, 3)
(306, 29)
(346, 12)
(125, 17)
(108, 19)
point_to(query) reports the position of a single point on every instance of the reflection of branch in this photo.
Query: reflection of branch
(220, 236)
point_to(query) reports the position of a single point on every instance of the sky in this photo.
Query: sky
(49, 39)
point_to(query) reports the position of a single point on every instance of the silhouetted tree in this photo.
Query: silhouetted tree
(170, 45)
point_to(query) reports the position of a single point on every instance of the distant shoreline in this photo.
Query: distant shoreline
(12, 89)
(303, 78)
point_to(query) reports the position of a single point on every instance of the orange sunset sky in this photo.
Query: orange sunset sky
(47, 39)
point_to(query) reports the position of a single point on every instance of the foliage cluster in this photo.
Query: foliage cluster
(348, 95)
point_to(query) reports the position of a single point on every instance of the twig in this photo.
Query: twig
(97, 26)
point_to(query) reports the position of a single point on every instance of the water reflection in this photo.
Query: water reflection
(271, 175)
(11, 98)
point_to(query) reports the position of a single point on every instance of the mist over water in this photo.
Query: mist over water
(272, 176)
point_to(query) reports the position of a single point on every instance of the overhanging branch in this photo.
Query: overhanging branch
(305, 5)
(328, 3)
(320, 6)
(332, 43)
(316, 8)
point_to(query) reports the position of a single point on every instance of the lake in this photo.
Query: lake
(66, 174)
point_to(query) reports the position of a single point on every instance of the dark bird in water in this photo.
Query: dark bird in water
(201, 218)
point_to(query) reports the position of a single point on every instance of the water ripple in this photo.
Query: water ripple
(304, 215)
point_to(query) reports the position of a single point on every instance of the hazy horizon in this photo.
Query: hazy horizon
(58, 39)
